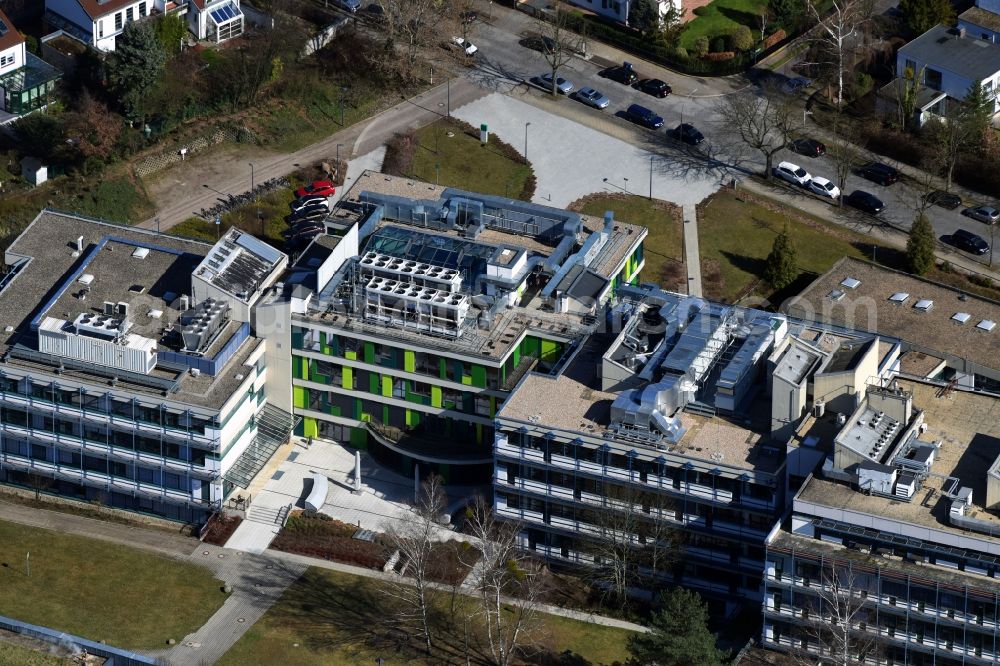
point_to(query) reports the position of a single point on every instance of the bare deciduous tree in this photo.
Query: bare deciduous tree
(762, 121)
(841, 36)
(415, 540)
(410, 25)
(509, 585)
(635, 544)
(838, 617)
(845, 152)
(559, 43)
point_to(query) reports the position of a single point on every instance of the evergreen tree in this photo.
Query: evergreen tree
(920, 246)
(787, 14)
(135, 67)
(643, 15)
(781, 269)
(977, 115)
(922, 15)
(679, 636)
(170, 30)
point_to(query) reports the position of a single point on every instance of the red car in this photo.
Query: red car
(318, 188)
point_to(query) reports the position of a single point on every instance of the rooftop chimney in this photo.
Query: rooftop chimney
(79, 244)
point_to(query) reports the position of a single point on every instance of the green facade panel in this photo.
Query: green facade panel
(347, 377)
(550, 350)
(436, 396)
(409, 361)
(359, 438)
(310, 427)
(369, 352)
(479, 376)
(387, 386)
(299, 398)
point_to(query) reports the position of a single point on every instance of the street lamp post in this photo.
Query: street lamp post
(343, 91)
(448, 87)
(437, 174)
(626, 186)
(251, 177)
(526, 126)
(338, 153)
(651, 176)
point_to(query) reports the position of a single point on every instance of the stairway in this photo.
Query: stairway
(274, 426)
(267, 515)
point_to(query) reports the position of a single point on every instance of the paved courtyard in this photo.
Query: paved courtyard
(572, 160)
(385, 496)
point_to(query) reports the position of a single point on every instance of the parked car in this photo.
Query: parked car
(655, 87)
(796, 84)
(309, 213)
(865, 201)
(318, 188)
(793, 173)
(348, 5)
(943, 199)
(624, 73)
(808, 147)
(301, 203)
(463, 45)
(823, 187)
(883, 174)
(686, 133)
(970, 242)
(640, 115)
(305, 227)
(593, 98)
(986, 214)
(544, 81)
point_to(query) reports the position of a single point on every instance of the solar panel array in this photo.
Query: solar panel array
(225, 13)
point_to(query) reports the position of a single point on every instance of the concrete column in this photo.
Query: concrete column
(357, 472)
(416, 483)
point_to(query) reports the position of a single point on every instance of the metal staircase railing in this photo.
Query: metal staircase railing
(274, 426)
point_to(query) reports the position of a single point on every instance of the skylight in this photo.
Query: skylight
(899, 297)
(835, 295)
(86, 278)
(850, 283)
(924, 304)
(961, 317)
(140, 252)
(986, 325)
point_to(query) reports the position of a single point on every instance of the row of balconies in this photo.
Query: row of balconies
(72, 442)
(98, 479)
(900, 637)
(653, 481)
(894, 603)
(38, 406)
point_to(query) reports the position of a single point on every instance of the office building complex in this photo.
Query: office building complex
(132, 371)
(412, 325)
(898, 531)
(679, 414)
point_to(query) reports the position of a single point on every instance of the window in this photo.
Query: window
(932, 79)
(128, 15)
(100, 29)
(483, 405)
(118, 21)
(142, 9)
(6, 61)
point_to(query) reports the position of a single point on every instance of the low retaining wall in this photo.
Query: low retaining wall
(113, 655)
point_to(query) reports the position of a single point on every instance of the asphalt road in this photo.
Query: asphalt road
(504, 64)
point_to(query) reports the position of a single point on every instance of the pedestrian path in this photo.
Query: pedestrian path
(692, 255)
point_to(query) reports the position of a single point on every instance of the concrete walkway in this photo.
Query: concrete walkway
(692, 255)
(182, 190)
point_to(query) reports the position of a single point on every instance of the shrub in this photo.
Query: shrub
(701, 11)
(742, 39)
(717, 57)
(681, 53)
(863, 84)
(775, 37)
(720, 44)
(701, 46)
(399, 152)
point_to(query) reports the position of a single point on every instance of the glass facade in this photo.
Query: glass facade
(30, 87)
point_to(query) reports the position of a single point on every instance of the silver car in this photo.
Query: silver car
(986, 214)
(564, 86)
(593, 98)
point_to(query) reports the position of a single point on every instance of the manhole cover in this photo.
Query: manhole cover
(204, 552)
(241, 620)
(269, 566)
(221, 556)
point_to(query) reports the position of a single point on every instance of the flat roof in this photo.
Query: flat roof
(919, 364)
(868, 308)
(981, 17)
(943, 47)
(967, 425)
(573, 401)
(44, 257)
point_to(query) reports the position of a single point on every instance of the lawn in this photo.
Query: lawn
(100, 590)
(329, 617)
(663, 248)
(720, 18)
(15, 655)
(735, 235)
(461, 161)
(273, 208)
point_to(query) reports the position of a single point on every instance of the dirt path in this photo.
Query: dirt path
(182, 190)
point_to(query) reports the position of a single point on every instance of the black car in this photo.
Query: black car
(306, 225)
(623, 74)
(655, 87)
(970, 242)
(883, 174)
(686, 133)
(865, 201)
(640, 115)
(808, 147)
(943, 199)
